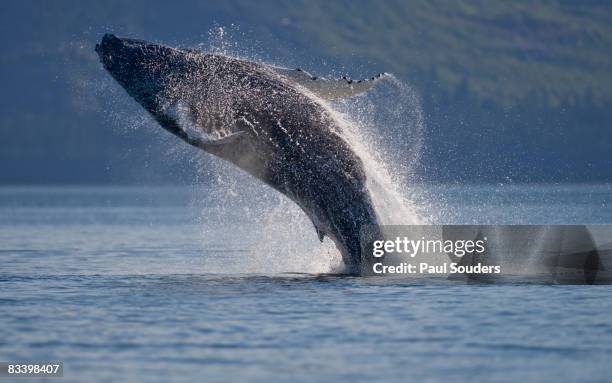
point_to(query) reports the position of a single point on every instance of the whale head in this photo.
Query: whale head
(145, 71)
(174, 85)
(140, 67)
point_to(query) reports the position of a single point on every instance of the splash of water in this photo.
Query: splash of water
(384, 128)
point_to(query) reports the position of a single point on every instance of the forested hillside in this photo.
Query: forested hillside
(512, 91)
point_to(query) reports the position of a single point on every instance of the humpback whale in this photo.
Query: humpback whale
(271, 122)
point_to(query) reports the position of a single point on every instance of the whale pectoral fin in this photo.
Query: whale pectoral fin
(330, 89)
(229, 139)
(238, 149)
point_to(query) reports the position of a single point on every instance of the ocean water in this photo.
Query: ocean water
(155, 284)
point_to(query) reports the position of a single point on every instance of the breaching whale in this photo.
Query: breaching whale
(269, 121)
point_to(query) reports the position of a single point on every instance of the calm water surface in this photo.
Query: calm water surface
(152, 284)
